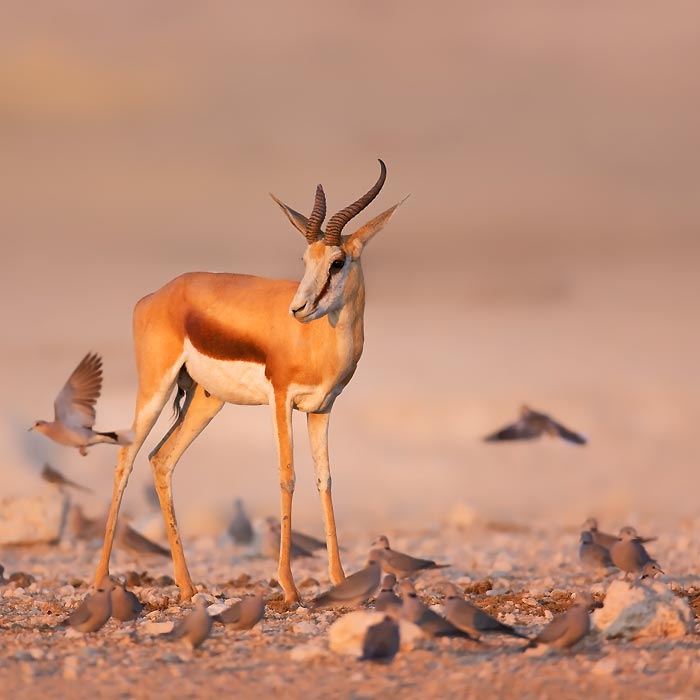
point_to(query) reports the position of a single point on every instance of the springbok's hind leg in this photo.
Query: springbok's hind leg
(198, 410)
(317, 424)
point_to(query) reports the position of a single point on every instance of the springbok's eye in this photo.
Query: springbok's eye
(337, 265)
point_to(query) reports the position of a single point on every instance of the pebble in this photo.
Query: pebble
(606, 666)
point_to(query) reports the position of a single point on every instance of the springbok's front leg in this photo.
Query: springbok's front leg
(198, 411)
(317, 424)
(283, 433)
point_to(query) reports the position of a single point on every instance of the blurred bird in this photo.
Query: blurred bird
(651, 569)
(531, 425)
(244, 614)
(570, 627)
(195, 627)
(606, 540)
(386, 599)
(593, 555)
(93, 612)
(133, 541)
(381, 642)
(470, 618)
(356, 588)
(305, 542)
(400, 564)
(629, 554)
(240, 528)
(271, 542)
(74, 410)
(84, 528)
(125, 604)
(432, 624)
(53, 476)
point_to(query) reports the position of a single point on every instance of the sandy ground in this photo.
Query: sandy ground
(548, 254)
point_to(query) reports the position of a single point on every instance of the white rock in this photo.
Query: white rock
(304, 627)
(157, 627)
(347, 634)
(32, 519)
(606, 666)
(643, 610)
(307, 652)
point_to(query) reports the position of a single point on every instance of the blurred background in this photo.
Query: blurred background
(548, 253)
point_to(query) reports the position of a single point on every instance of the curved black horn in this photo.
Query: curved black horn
(338, 221)
(313, 229)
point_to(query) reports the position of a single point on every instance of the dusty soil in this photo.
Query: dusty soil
(524, 577)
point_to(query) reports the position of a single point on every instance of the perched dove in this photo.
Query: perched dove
(74, 410)
(93, 612)
(400, 564)
(136, 543)
(240, 528)
(194, 627)
(628, 553)
(53, 476)
(606, 540)
(569, 627)
(84, 528)
(386, 599)
(531, 425)
(432, 624)
(593, 555)
(125, 604)
(356, 588)
(271, 542)
(381, 641)
(244, 614)
(469, 618)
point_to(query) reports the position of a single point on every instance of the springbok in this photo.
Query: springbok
(229, 338)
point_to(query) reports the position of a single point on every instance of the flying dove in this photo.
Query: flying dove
(386, 599)
(531, 425)
(381, 641)
(400, 564)
(628, 553)
(606, 540)
(125, 604)
(356, 588)
(93, 612)
(240, 528)
(74, 410)
(432, 624)
(470, 618)
(194, 627)
(53, 476)
(569, 627)
(306, 542)
(136, 543)
(271, 542)
(244, 614)
(593, 555)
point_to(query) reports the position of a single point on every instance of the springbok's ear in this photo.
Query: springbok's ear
(357, 241)
(298, 220)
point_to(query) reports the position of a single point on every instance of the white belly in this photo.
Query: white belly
(231, 381)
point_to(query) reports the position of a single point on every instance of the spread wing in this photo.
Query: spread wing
(569, 435)
(75, 404)
(523, 429)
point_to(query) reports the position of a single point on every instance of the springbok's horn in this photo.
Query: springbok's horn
(313, 229)
(338, 221)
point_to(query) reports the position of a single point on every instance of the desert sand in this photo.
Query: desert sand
(548, 254)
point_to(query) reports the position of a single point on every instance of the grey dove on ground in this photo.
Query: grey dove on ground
(53, 476)
(470, 618)
(651, 569)
(381, 642)
(93, 612)
(569, 627)
(125, 604)
(628, 553)
(533, 424)
(356, 588)
(386, 599)
(306, 542)
(592, 555)
(605, 539)
(133, 541)
(74, 410)
(195, 627)
(400, 564)
(432, 624)
(244, 614)
(240, 528)
(271, 542)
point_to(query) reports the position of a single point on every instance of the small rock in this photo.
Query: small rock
(164, 580)
(21, 579)
(346, 635)
(156, 627)
(307, 652)
(32, 519)
(606, 666)
(304, 627)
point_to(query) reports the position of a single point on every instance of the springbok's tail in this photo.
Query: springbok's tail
(185, 385)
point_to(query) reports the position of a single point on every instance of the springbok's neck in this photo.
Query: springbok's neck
(350, 317)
